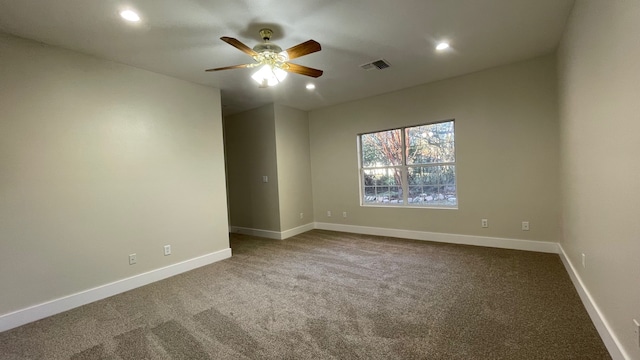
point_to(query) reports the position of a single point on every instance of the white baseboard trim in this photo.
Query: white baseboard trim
(297, 231)
(56, 306)
(515, 244)
(599, 321)
(270, 234)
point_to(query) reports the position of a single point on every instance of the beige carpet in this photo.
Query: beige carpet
(329, 295)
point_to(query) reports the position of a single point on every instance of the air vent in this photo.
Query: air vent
(378, 64)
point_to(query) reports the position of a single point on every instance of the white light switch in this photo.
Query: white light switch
(265, 179)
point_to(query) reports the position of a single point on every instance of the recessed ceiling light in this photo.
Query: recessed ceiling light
(130, 15)
(310, 86)
(442, 46)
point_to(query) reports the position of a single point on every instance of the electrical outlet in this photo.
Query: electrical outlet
(485, 223)
(636, 329)
(301, 215)
(525, 226)
(133, 258)
(584, 261)
(328, 213)
(344, 214)
(167, 250)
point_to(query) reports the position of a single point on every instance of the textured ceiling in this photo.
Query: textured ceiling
(181, 39)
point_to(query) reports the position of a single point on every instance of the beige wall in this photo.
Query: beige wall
(599, 76)
(99, 160)
(250, 145)
(272, 140)
(294, 167)
(506, 148)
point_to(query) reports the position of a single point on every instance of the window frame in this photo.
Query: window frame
(404, 170)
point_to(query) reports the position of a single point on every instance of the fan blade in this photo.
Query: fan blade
(303, 70)
(231, 67)
(239, 45)
(303, 49)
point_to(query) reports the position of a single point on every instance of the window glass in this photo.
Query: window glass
(382, 148)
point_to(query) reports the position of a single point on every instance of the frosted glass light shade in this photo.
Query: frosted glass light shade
(269, 76)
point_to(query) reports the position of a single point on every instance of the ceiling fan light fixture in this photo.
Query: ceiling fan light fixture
(269, 76)
(272, 61)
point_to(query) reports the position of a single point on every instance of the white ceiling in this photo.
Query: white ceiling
(181, 39)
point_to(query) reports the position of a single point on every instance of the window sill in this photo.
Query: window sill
(410, 207)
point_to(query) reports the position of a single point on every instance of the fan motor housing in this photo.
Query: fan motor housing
(267, 47)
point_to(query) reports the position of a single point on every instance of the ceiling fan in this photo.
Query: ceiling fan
(273, 62)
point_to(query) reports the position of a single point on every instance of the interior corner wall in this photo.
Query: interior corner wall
(599, 88)
(294, 167)
(506, 126)
(99, 160)
(250, 143)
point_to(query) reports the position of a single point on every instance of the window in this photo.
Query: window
(410, 166)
